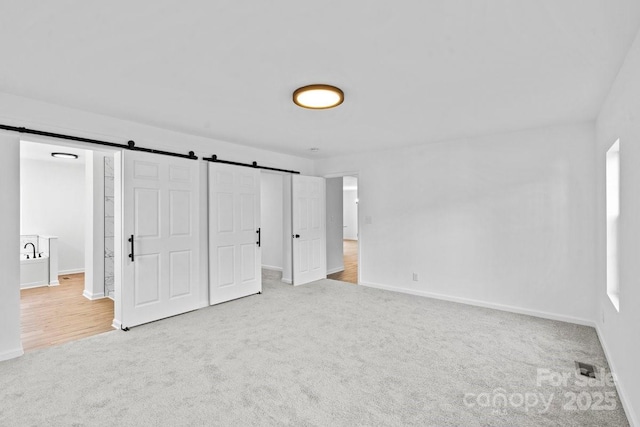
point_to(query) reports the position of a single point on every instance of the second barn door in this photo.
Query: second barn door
(234, 232)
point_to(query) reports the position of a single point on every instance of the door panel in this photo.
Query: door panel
(145, 170)
(147, 279)
(180, 273)
(180, 213)
(316, 251)
(179, 173)
(234, 215)
(160, 211)
(248, 256)
(147, 212)
(224, 211)
(309, 236)
(226, 266)
(247, 212)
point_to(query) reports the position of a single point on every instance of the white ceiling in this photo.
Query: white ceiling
(38, 151)
(412, 71)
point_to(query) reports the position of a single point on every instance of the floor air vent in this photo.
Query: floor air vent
(586, 369)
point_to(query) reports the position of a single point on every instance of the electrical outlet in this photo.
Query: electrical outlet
(415, 277)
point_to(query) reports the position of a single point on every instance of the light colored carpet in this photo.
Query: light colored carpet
(326, 353)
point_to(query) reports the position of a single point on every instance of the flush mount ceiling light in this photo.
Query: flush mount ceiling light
(64, 155)
(318, 97)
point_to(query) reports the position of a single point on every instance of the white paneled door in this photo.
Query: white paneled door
(309, 236)
(234, 232)
(160, 243)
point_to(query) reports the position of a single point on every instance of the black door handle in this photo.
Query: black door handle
(131, 254)
(296, 236)
(259, 237)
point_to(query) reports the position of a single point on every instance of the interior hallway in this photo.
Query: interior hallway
(58, 314)
(350, 272)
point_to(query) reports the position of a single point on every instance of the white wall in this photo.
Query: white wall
(504, 221)
(94, 237)
(271, 219)
(18, 111)
(350, 215)
(10, 345)
(335, 255)
(53, 203)
(619, 332)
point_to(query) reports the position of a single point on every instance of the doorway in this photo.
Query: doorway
(56, 247)
(342, 228)
(274, 234)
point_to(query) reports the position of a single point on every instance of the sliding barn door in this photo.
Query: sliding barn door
(160, 248)
(234, 232)
(309, 229)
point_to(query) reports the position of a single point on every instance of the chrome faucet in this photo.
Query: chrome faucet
(34, 249)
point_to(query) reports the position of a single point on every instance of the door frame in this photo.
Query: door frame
(357, 175)
(89, 256)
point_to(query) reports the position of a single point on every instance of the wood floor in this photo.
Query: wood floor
(58, 314)
(350, 272)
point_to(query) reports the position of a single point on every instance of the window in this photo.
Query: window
(613, 222)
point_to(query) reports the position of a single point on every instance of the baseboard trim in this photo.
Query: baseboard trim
(116, 324)
(626, 404)
(335, 270)
(54, 283)
(72, 271)
(479, 303)
(287, 281)
(272, 268)
(32, 286)
(12, 354)
(91, 296)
